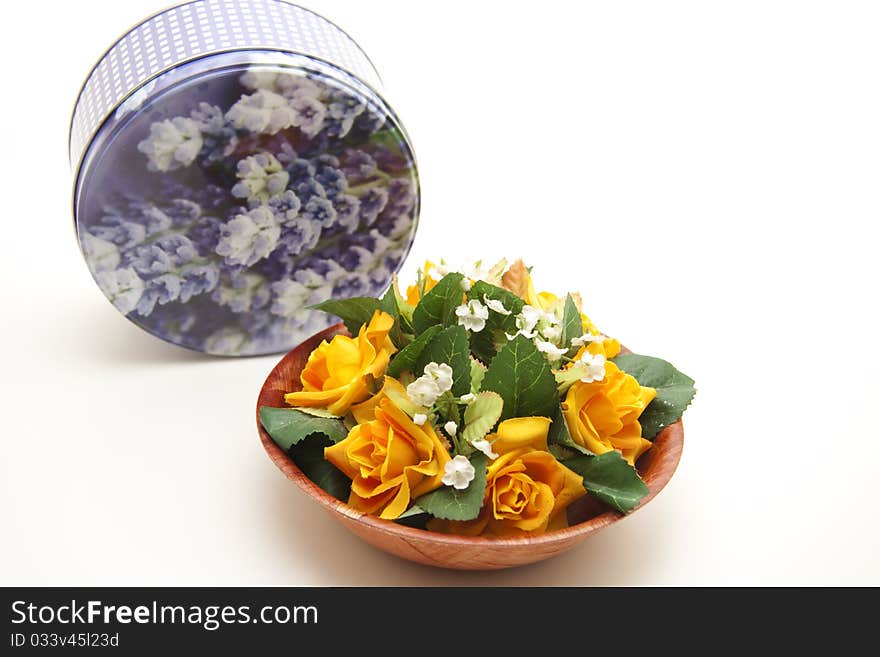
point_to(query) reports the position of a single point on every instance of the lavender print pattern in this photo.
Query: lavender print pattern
(298, 191)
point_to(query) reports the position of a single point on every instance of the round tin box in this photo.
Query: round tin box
(235, 164)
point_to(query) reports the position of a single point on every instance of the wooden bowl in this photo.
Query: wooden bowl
(586, 517)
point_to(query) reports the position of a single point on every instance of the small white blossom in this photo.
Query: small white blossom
(438, 271)
(474, 270)
(587, 338)
(472, 315)
(441, 374)
(297, 86)
(173, 143)
(263, 111)
(309, 114)
(451, 428)
(101, 255)
(257, 78)
(423, 391)
(592, 366)
(496, 305)
(249, 237)
(465, 284)
(551, 331)
(468, 398)
(420, 419)
(122, 286)
(484, 446)
(553, 352)
(261, 177)
(458, 473)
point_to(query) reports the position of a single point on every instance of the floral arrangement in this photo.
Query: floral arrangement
(474, 405)
(288, 190)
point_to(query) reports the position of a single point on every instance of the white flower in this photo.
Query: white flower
(592, 367)
(474, 270)
(465, 284)
(484, 446)
(451, 428)
(526, 322)
(122, 286)
(261, 177)
(257, 78)
(458, 473)
(472, 315)
(438, 271)
(441, 374)
(553, 352)
(420, 419)
(309, 114)
(423, 391)
(101, 255)
(551, 331)
(173, 143)
(263, 111)
(586, 338)
(468, 398)
(495, 305)
(297, 86)
(250, 237)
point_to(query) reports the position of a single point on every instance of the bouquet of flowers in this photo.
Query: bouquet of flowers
(474, 405)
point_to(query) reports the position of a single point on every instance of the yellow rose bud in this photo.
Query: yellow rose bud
(335, 376)
(390, 461)
(604, 415)
(609, 347)
(527, 489)
(412, 292)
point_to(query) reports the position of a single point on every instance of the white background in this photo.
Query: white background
(707, 174)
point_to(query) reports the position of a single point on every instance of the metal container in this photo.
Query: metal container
(235, 163)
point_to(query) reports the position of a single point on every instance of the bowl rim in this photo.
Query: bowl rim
(671, 437)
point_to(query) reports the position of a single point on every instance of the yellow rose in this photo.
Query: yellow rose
(604, 415)
(390, 460)
(527, 489)
(335, 376)
(412, 292)
(609, 347)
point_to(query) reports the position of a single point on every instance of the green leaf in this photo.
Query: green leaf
(478, 371)
(450, 504)
(510, 301)
(486, 343)
(438, 306)
(317, 412)
(561, 453)
(566, 378)
(403, 402)
(406, 358)
(309, 457)
(354, 312)
(450, 346)
(675, 390)
(521, 375)
(414, 510)
(388, 304)
(610, 478)
(481, 415)
(558, 434)
(571, 324)
(415, 516)
(288, 426)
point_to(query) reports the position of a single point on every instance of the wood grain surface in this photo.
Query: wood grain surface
(586, 517)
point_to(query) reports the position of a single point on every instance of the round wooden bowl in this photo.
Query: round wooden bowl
(586, 516)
